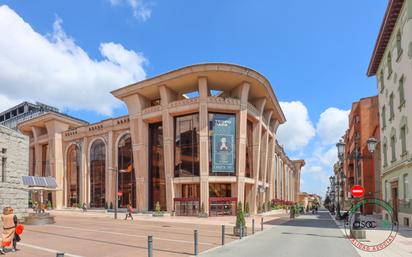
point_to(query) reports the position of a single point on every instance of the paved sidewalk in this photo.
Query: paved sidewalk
(308, 235)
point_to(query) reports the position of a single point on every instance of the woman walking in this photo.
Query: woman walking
(129, 212)
(9, 228)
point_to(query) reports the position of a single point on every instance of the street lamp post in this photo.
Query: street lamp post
(116, 191)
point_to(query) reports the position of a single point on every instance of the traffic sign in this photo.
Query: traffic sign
(357, 191)
(120, 194)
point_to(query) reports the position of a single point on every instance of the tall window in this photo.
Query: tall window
(401, 92)
(157, 179)
(127, 181)
(187, 145)
(405, 187)
(382, 81)
(97, 174)
(389, 60)
(45, 169)
(386, 190)
(222, 144)
(3, 169)
(73, 176)
(403, 138)
(220, 190)
(393, 145)
(391, 108)
(383, 115)
(249, 150)
(399, 43)
(385, 155)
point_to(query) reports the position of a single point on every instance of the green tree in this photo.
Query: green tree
(157, 208)
(111, 205)
(240, 217)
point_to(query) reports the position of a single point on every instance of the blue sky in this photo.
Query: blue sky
(315, 53)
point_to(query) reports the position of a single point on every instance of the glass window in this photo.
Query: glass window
(249, 150)
(393, 145)
(382, 81)
(401, 92)
(405, 187)
(403, 139)
(222, 144)
(127, 181)
(383, 114)
(385, 155)
(45, 169)
(389, 60)
(391, 110)
(73, 176)
(157, 179)
(220, 190)
(187, 145)
(97, 174)
(399, 43)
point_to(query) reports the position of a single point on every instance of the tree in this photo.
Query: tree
(240, 217)
(157, 208)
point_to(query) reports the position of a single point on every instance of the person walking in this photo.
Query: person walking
(292, 212)
(16, 235)
(129, 211)
(9, 228)
(84, 207)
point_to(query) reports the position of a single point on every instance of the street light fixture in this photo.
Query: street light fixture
(341, 148)
(372, 142)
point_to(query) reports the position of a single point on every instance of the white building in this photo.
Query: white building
(391, 63)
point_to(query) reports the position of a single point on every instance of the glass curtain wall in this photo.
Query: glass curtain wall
(249, 150)
(97, 174)
(157, 180)
(73, 176)
(187, 146)
(127, 181)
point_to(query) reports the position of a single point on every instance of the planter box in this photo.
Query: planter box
(236, 231)
(157, 214)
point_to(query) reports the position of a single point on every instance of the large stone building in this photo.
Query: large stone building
(391, 63)
(200, 135)
(14, 163)
(363, 124)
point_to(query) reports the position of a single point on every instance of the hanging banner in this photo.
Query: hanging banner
(224, 145)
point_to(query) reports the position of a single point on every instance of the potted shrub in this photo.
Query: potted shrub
(106, 206)
(49, 205)
(111, 206)
(247, 211)
(240, 221)
(259, 210)
(202, 212)
(158, 212)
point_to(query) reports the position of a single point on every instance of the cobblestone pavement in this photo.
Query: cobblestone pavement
(90, 234)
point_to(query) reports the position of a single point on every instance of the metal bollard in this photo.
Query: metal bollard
(59, 254)
(150, 246)
(261, 224)
(223, 234)
(253, 226)
(196, 242)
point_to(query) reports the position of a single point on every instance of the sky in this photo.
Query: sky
(71, 54)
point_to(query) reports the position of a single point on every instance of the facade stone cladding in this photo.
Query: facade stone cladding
(14, 163)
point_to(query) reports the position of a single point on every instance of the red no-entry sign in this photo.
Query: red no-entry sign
(120, 194)
(357, 191)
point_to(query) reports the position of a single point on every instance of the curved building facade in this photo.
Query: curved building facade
(202, 137)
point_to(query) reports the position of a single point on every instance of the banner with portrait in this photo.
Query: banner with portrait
(224, 143)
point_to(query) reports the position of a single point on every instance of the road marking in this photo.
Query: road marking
(48, 249)
(123, 234)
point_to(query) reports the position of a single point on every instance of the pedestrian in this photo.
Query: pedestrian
(292, 212)
(16, 235)
(8, 228)
(129, 211)
(84, 207)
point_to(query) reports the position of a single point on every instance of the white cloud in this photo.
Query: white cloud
(332, 125)
(140, 9)
(298, 129)
(54, 70)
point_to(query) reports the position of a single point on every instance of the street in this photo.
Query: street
(307, 235)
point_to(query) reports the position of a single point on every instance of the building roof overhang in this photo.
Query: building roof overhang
(41, 120)
(385, 32)
(221, 76)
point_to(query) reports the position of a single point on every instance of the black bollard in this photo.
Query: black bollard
(196, 242)
(223, 234)
(253, 226)
(241, 231)
(150, 246)
(261, 224)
